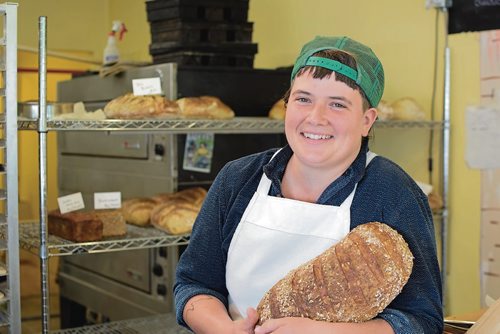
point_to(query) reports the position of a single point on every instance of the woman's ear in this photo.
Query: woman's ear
(369, 117)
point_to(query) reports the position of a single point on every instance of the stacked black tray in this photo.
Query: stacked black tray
(201, 32)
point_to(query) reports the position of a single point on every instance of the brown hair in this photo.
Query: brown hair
(320, 72)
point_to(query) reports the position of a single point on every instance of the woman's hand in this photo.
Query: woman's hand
(206, 314)
(287, 326)
(246, 325)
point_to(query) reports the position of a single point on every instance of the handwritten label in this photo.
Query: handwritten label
(109, 200)
(70, 203)
(148, 86)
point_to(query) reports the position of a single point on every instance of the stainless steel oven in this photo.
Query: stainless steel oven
(127, 284)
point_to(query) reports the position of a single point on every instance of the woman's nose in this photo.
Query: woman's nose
(317, 114)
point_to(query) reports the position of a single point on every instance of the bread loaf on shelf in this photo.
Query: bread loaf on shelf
(352, 281)
(385, 111)
(204, 107)
(113, 223)
(178, 211)
(278, 110)
(407, 109)
(194, 195)
(137, 211)
(175, 217)
(75, 226)
(130, 106)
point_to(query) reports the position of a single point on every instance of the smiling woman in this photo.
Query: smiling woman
(324, 125)
(287, 206)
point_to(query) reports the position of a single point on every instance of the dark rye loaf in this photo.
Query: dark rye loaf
(75, 226)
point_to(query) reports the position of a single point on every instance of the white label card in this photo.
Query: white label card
(109, 200)
(70, 203)
(148, 86)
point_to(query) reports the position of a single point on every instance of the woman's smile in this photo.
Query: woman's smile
(315, 136)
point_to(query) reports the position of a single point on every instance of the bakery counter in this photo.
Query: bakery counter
(136, 238)
(163, 323)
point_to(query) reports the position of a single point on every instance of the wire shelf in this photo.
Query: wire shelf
(161, 324)
(235, 125)
(432, 125)
(136, 238)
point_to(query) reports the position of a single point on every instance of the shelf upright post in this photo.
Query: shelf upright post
(42, 156)
(446, 162)
(12, 213)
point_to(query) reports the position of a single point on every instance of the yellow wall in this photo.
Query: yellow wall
(83, 25)
(400, 32)
(402, 35)
(28, 140)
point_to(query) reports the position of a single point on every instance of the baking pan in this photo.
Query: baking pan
(29, 109)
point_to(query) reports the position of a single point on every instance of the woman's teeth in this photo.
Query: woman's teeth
(316, 137)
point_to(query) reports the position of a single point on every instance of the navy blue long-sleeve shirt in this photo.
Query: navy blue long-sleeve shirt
(385, 193)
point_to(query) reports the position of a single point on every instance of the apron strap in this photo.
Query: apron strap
(265, 182)
(369, 157)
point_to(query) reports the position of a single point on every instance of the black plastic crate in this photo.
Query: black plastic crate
(198, 10)
(205, 59)
(219, 48)
(200, 32)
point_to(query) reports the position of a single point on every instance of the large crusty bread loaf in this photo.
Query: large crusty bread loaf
(137, 211)
(194, 195)
(175, 217)
(178, 211)
(130, 106)
(351, 281)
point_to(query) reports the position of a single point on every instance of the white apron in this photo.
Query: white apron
(276, 235)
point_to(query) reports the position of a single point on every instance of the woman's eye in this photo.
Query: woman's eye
(337, 105)
(302, 99)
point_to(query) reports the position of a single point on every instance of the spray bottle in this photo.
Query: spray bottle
(111, 53)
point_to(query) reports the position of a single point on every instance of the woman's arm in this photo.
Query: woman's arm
(205, 314)
(387, 194)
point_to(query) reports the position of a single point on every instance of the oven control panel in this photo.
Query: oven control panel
(165, 261)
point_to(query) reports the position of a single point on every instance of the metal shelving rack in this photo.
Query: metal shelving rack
(10, 304)
(35, 238)
(140, 237)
